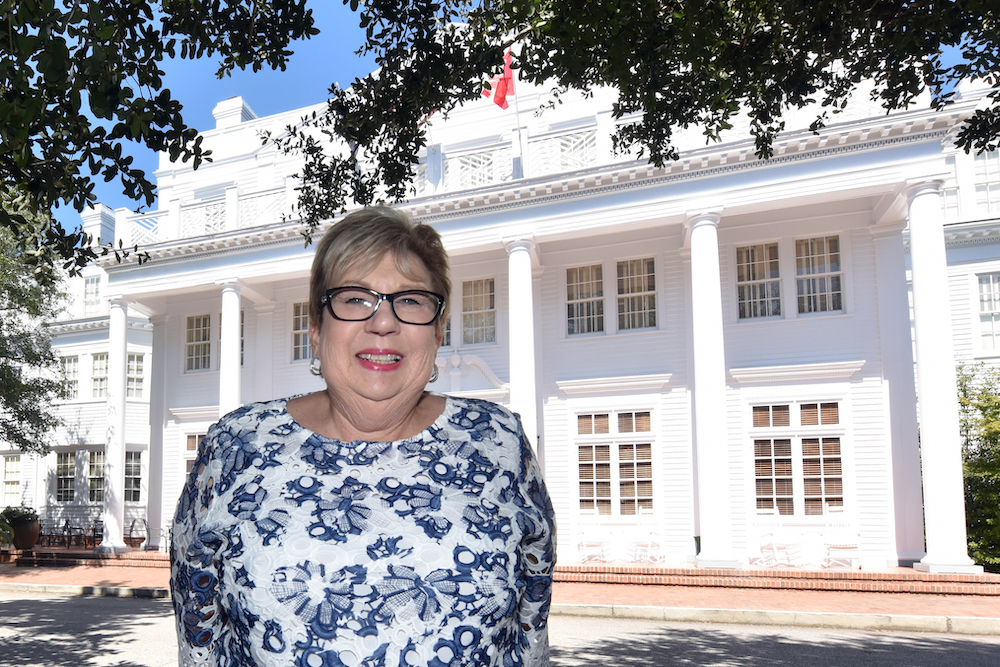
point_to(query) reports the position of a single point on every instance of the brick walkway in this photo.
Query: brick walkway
(571, 593)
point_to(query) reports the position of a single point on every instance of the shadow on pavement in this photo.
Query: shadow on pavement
(737, 646)
(80, 631)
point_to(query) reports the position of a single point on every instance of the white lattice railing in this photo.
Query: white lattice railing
(145, 228)
(201, 219)
(262, 208)
(566, 152)
(471, 170)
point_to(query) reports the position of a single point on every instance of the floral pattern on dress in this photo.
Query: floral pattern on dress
(290, 548)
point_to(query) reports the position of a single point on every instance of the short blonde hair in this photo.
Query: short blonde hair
(360, 241)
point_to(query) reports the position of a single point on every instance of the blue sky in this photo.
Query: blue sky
(318, 62)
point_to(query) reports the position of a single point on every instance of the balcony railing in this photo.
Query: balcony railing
(205, 217)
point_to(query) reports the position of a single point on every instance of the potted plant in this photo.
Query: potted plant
(24, 522)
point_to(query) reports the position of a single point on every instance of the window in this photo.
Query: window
(11, 481)
(69, 367)
(95, 476)
(584, 299)
(818, 274)
(198, 346)
(758, 286)
(193, 441)
(636, 294)
(92, 296)
(133, 387)
(301, 348)
(133, 476)
(446, 338)
(949, 192)
(988, 182)
(800, 471)
(479, 315)
(65, 476)
(822, 477)
(99, 376)
(616, 470)
(989, 310)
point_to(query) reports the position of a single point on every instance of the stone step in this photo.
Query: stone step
(891, 580)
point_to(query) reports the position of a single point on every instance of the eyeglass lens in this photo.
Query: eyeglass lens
(359, 304)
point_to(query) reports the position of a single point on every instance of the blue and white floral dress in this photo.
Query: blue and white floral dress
(291, 548)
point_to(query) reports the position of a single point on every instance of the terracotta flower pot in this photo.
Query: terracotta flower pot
(26, 534)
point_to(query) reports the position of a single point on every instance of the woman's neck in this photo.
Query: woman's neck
(328, 414)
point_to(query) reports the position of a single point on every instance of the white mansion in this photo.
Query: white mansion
(716, 359)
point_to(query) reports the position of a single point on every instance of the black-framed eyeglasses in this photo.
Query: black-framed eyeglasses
(355, 304)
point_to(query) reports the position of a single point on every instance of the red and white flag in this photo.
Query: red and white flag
(503, 85)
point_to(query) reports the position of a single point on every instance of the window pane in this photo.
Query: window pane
(780, 415)
(810, 414)
(758, 287)
(829, 413)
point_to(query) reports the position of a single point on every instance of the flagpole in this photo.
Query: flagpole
(521, 145)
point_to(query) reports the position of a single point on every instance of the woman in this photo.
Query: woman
(372, 523)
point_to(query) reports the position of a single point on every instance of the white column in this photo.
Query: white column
(940, 446)
(521, 312)
(229, 350)
(114, 462)
(900, 394)
(157, 515)
(263, 362)
(714, 489)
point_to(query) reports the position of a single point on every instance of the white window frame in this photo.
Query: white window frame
(585, 300)
(615, 440)
(99, 375)
(647, 294)
(134, 373)
(97, 466)
(987, 182)
(11, 480)
(798, 433)
(69, 369)
(488, 314)
(92, 304)
(133, 476)
(198, 343)
(65, 493)
(301, 345)
(805, 273)
(988, 313)
(754, 282)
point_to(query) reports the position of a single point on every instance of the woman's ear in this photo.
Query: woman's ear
(314, 336)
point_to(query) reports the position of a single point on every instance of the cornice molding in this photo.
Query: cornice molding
(837, 370)
(852, 137)
(612, 384)
(199, 413)
(94, 324)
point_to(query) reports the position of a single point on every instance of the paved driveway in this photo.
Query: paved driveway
(60, 631)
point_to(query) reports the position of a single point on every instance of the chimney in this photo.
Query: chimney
(99, 222)
(232, 112)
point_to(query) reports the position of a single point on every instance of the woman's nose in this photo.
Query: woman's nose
(383, 321)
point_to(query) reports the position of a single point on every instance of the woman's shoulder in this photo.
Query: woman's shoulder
(251, 417)
(477, 409)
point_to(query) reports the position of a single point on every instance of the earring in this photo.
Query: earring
(434, 375)
(315, 366)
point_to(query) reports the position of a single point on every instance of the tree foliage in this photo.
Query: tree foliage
(675, 63)
(79, 78)
(29, 384)
(979, 398)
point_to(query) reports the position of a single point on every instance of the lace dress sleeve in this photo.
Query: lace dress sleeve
(538, 552)
(194, 575)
